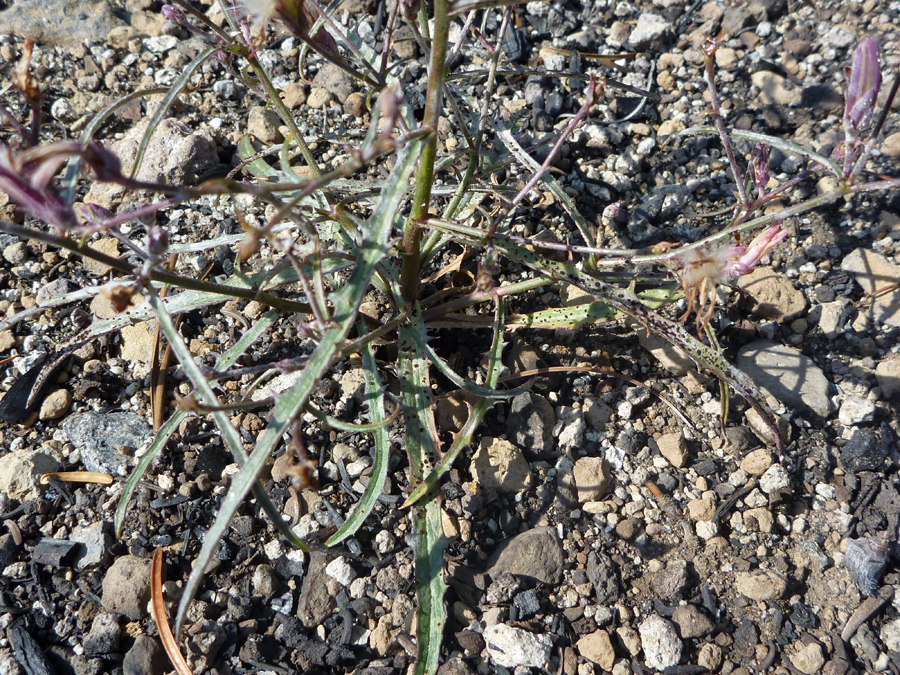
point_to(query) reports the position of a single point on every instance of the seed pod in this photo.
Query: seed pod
(866, 560)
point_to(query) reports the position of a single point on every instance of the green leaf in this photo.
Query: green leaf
(624, 300)
(421, 446)
(374, 398)
(161, 110)
(346, 303)
(162, 436)
(476, 415)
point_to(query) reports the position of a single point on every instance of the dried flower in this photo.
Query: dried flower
(703, 270)
(26, 177)
(749, 258)
(297, 18)
(863, 84)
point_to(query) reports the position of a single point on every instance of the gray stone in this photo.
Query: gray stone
(104, 635)
(53, 289)
(511, 647)
(593, 478)
(809, 659)
(890, 635)
(530, 422)
(59, 22)
(774, 479)
(569, 429)
(674, 448)
(265, 581)
(761, 586)
(773, 89)
(669, 582)
(856, 410)
(160, 44)
(145, 657)
(226, 89)
(670, 357)
(866, 451)
(55, 405)
(662, 646)
(126, 587)
(651, 31)
(315, 601)
(97, 539)
(873, 273)
(601, 571)
(834, 316)
(263, 123)
(597, 647)
(536, 554)
(103, 439)
(789, 376)
(691, 622)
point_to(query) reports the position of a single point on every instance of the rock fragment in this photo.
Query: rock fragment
(662, 646)
(126, 587)
(513, 647)
(536, 554)
(788, 375)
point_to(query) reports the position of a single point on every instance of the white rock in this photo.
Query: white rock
(512, 647)
(707, 529)
(339, 570)
(662, 646)
(775, 478)
(890, 635)
(856, 410)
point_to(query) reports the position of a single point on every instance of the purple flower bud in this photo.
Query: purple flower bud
(172, 14)
(759, 166)
(94, 213)
(610, 213)
(863, 84)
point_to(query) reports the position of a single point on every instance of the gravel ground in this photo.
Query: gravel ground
(600, 523)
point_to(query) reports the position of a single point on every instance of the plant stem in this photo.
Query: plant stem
(412, 233)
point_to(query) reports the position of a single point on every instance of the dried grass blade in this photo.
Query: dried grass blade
(158, 608)
(77, 477)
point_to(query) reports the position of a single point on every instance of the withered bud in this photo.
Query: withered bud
(23, 80)
(759, 165)
(157, 241)
(119, 296)
(248, 247)
(610, 213)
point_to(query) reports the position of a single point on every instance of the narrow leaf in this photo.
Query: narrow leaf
(374, 398)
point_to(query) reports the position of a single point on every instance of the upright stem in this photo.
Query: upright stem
(710, 52)
(412, 233)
